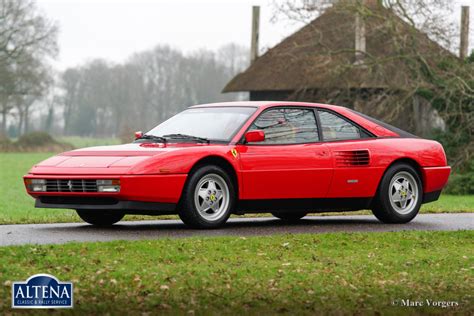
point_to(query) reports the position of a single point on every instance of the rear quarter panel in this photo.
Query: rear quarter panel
(383, 153)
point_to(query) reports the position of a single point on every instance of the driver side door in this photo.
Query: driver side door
(291, 163)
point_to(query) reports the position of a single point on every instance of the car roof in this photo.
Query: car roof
(260, 104)
(375, 127)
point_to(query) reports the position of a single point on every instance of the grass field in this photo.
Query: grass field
(81, 142)
(17, 207)
(343, 273)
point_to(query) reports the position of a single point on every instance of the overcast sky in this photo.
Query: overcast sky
(114, 29)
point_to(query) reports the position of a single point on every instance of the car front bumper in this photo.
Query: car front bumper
(137, 193)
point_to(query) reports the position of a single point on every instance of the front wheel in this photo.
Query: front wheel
(100, 218)
(208, 198)
(399, 195)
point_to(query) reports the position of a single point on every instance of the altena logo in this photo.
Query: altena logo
(42, 291)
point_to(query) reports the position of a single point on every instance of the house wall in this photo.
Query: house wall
(426, 117)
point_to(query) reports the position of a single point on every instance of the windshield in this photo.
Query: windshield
(213, 123)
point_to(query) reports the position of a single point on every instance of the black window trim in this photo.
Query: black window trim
(316, 110)
(318, 121)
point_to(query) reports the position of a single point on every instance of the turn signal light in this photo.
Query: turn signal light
(110, 186)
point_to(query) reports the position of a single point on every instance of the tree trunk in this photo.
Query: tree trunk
(4, 121)
(67, 119)
(21, 121)
(49, 120)
(26, 120)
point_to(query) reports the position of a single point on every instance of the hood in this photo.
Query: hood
(116, 159)
(126, 150)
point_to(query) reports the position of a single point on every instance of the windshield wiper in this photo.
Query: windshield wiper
(184, 136)
(153, 137)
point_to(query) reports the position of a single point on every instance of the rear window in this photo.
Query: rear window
(335, 127)
(392, 128)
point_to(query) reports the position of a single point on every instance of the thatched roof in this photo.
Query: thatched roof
(321, 55)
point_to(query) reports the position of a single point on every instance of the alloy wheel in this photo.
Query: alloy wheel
(403, 194)
(211, 197)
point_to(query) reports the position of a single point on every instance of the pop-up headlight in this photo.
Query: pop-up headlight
(110, 186)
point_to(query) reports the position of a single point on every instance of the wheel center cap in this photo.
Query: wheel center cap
(212, 197)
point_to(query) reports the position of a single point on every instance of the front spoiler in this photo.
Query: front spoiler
(128, 207)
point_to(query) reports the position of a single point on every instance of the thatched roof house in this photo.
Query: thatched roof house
(311, 57)
(346, 51)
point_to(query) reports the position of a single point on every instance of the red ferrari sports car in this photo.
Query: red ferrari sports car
(212, 160)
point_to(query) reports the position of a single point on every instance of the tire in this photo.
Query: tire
(100, 218)
(289, 216)
(399, 195)
(208, 199)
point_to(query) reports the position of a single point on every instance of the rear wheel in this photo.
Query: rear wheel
(100, 218)
(208, 198)
(290, 216)
(399, 195)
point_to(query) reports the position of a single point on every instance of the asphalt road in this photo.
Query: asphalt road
(62, 233)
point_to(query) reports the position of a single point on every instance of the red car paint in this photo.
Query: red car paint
(157, 172)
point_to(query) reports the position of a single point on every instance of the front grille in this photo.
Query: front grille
(71, 185)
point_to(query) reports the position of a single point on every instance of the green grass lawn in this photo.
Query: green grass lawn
(343, 273)
(17, 207)
(81, 142)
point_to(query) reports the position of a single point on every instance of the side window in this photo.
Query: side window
(336, 128)
(287, 126)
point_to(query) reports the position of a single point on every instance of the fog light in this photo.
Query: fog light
(108, 186)
(36, 185)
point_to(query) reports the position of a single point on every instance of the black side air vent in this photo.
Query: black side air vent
(352, 158)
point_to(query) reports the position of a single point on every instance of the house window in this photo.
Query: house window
(287, 126)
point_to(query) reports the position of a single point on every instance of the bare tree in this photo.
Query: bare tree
(33, 81)
(234, 57)
(27, 38)
(105, 99)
